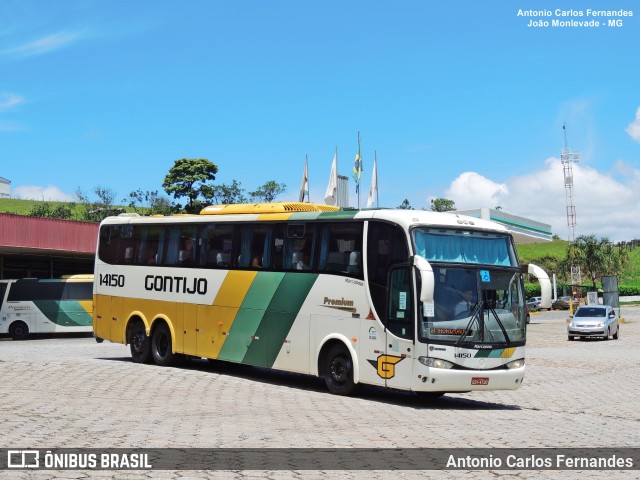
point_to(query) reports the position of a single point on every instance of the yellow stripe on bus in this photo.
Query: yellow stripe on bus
(508, 352)
(224, 311)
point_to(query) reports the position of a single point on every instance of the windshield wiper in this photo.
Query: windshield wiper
(504, 331)
(474, 319)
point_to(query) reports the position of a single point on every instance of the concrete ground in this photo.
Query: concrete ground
(75, 393)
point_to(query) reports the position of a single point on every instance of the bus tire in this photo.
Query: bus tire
(338, 373)
(19, 330)
(139, 343)
(161, 347)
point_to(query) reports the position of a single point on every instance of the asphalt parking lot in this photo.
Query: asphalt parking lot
(75, 393)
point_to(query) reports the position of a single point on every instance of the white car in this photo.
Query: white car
(534, 302)
(594, 321)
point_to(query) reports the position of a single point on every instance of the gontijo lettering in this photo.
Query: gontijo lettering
(169, 284)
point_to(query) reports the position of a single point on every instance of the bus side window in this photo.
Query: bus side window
(337, 241)
(299, 247)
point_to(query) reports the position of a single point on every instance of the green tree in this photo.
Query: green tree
(225, 194)
(405, 205)
(442, 205)
(268, 192)
(150, 203)
(187, 178)
(89, 211)
(596, 256)
(47, 210)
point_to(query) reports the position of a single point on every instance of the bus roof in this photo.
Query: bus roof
(298, 211)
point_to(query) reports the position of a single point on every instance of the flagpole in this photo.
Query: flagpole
(375, 153)
(306, 168)
(360, 160)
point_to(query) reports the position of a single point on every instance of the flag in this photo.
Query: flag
(357, 167)
(304, 188)
(373, 190)
(331, 194)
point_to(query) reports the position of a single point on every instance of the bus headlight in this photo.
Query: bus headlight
(516, 364)
(435, 362)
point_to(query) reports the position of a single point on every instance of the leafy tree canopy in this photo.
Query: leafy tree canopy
(405, 205)
(442, 205)
(596, 256)
(188, 177)
(268, 192)
(225, 194)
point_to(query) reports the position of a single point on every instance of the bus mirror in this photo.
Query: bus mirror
(426, 275)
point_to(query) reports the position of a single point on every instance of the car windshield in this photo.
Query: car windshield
(591, 312)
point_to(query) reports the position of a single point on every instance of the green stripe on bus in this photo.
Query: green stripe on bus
(489, 353)
(67, 313)
(298, 216)
(250, 315)
(339, 214)
(279, 317)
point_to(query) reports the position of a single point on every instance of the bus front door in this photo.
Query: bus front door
(398, 361)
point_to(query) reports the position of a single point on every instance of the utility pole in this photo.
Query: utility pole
(567, 157)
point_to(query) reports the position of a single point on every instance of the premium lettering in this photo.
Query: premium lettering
(169, 284)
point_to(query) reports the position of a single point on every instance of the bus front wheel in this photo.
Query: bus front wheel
(139, 344)
(338, 374)
(19, 330)
(161, 348)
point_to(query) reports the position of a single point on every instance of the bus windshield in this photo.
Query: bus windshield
(475, 306)
(464, 246)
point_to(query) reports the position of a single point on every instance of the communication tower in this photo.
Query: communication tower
(567, 157)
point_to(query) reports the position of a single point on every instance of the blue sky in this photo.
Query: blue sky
(460, 100)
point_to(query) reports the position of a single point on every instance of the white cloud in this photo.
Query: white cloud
(49, 193)
(42, 45)
(634, 127)
(471, 190)
(604, 205)
(10, 100)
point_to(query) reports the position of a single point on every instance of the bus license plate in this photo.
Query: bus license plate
(480, 381)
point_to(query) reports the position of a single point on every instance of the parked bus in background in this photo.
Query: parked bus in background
(411, 300)
(35, 305)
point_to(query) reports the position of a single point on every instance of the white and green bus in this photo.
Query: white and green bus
(33, 305)
(411, 300)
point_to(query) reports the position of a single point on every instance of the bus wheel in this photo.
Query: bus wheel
(161, 346)
(338, 373)
(139, 344)
(19, 330)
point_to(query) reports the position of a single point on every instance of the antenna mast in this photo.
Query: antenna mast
(567, 158)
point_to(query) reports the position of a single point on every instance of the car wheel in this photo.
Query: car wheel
(608, 335)
(616, 335)
(571, 338)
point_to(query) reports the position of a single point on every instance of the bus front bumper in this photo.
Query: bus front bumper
(431, 379)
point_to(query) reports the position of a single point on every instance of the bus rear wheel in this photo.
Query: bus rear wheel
(338, 374)
(139, 344)
(19, 330)
(161, 348)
